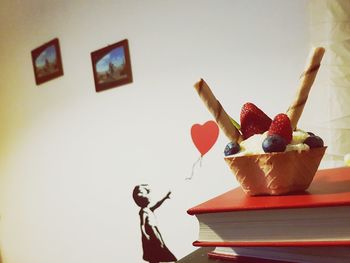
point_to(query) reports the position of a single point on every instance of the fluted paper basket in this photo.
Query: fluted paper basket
(276, 173)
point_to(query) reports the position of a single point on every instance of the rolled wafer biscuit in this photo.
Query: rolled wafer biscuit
(215, 108)
(307, 79)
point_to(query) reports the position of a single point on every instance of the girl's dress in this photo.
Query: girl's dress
(152, 249)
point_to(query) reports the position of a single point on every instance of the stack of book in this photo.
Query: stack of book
(312, 226)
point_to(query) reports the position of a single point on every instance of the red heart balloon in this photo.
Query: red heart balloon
(204, 136)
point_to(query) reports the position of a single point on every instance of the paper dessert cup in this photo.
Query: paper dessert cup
(276, 173)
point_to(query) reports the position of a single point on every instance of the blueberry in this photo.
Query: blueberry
(274, 143)
(314, 141)
(232, 148)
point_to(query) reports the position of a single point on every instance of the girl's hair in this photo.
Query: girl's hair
(140, 200)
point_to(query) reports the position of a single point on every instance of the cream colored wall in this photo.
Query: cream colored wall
(70, 157)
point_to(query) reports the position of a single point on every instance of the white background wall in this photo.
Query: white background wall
(70, 157)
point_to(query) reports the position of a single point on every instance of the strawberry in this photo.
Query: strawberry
(281, 126)
(253, 120)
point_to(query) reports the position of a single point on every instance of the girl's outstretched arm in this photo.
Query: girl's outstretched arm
(160, 202)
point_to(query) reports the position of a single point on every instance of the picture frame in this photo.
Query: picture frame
(112, 66)
(47, 61)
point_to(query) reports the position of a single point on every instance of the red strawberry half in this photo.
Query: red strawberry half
(281, 126)
(253, 120)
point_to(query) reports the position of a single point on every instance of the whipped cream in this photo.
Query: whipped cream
(253, 145)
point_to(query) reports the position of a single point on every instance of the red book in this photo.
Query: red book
(207, 255)
(282, 254)
(242, 259)
(319, 216)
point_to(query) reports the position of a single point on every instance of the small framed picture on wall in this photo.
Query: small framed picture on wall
(47, 62)
(111, 66)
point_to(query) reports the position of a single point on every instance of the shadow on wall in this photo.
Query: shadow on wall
(0, 257)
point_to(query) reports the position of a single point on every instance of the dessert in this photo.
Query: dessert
(278, 160)
(270, 156)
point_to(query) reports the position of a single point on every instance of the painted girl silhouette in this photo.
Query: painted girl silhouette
(154, 249)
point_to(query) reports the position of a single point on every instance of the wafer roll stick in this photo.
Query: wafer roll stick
(215, 108)
(307, 79)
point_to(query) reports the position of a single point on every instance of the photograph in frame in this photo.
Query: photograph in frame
(47, 62)
(111, 66)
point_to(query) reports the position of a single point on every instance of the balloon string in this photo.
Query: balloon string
(193, 166)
